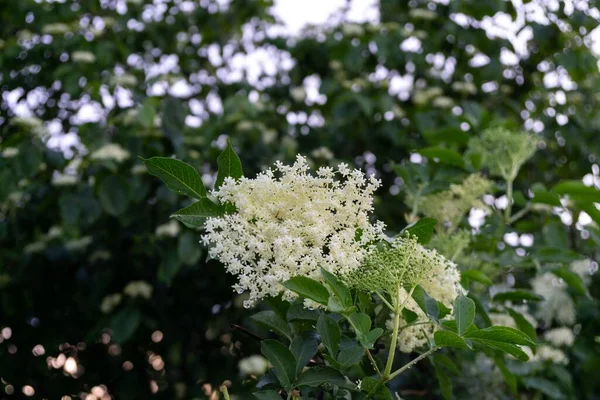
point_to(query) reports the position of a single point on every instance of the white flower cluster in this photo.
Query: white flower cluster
(562, 336)
(111, 151)
(253, 365)
(289, 222)
(138, 288)
(547, 353)
(443, 284)
(557, 304)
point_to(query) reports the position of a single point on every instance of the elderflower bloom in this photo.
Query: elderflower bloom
(410, 263)
(138, 288)
(111, 151)
(557, 304)
(449, 206)
(504, 151)
(253, 365)
(289, 223)
(548, 353)
(562, 336)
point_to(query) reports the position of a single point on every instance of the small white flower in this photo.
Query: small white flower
(138, 288)
(253, 365)
(86, 57)
(560, 336)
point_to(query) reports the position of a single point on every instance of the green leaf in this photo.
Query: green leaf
(503, 334)
(271, 320)
(443, 360)
(511, 349)
(281, 359)
(147, 113)
(369, 383)
(308, 288)
(464, 313)
(576, 190)
(545, 386)
(330, 333)
(422, 229)
(427, 303)
(443, 155)
(444, 381)
(572, 279)
(408, 315)
(477, 276)
(443, 310)
(374, 334)
(517, 295)
(229, 164)
(317, 376)
(113, 195)
(450, 339)
(481, 309)
(523, 324)
(280, 306)
(361, 322)
(509, 377)
(196, 213)
(177, 175)
(541, 196)
(303, 349)
(339, 288)
(187, 248)
(125, 323)
(267, 395)
(350, 356)
(297, 311)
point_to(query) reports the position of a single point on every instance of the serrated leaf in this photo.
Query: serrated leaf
(303, 349)
(308, 288)
(572, 279)
(297, 311)
(177, 175)
(229, 164)
(449, 339)
(350, 356)
(317, 376)
(282, 360)
(196, 213)
(501, 334)
(330, 333)
(339, 288)
(422, 229)
(477, 276)
(271, 320)
(464, 313)
(517, 295)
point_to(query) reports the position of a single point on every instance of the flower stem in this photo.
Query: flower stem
(387, 303)
(373, 362)
(223, 389)
(413, 362)
(398, 307)
(509, 197)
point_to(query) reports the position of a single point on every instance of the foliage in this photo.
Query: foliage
(93, 271)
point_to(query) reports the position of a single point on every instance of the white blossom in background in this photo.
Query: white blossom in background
(10, 152)
(86, 57)
(253, 365)
(583, 268)
(290, 223)
(138, 288)
(110, 302)
(170, 229)
(111, 151)
(548, 353)
(560, 336)
(557, 304)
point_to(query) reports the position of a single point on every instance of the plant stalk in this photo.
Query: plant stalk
(413, 362)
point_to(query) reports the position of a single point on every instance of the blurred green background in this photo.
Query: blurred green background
(99, 287)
